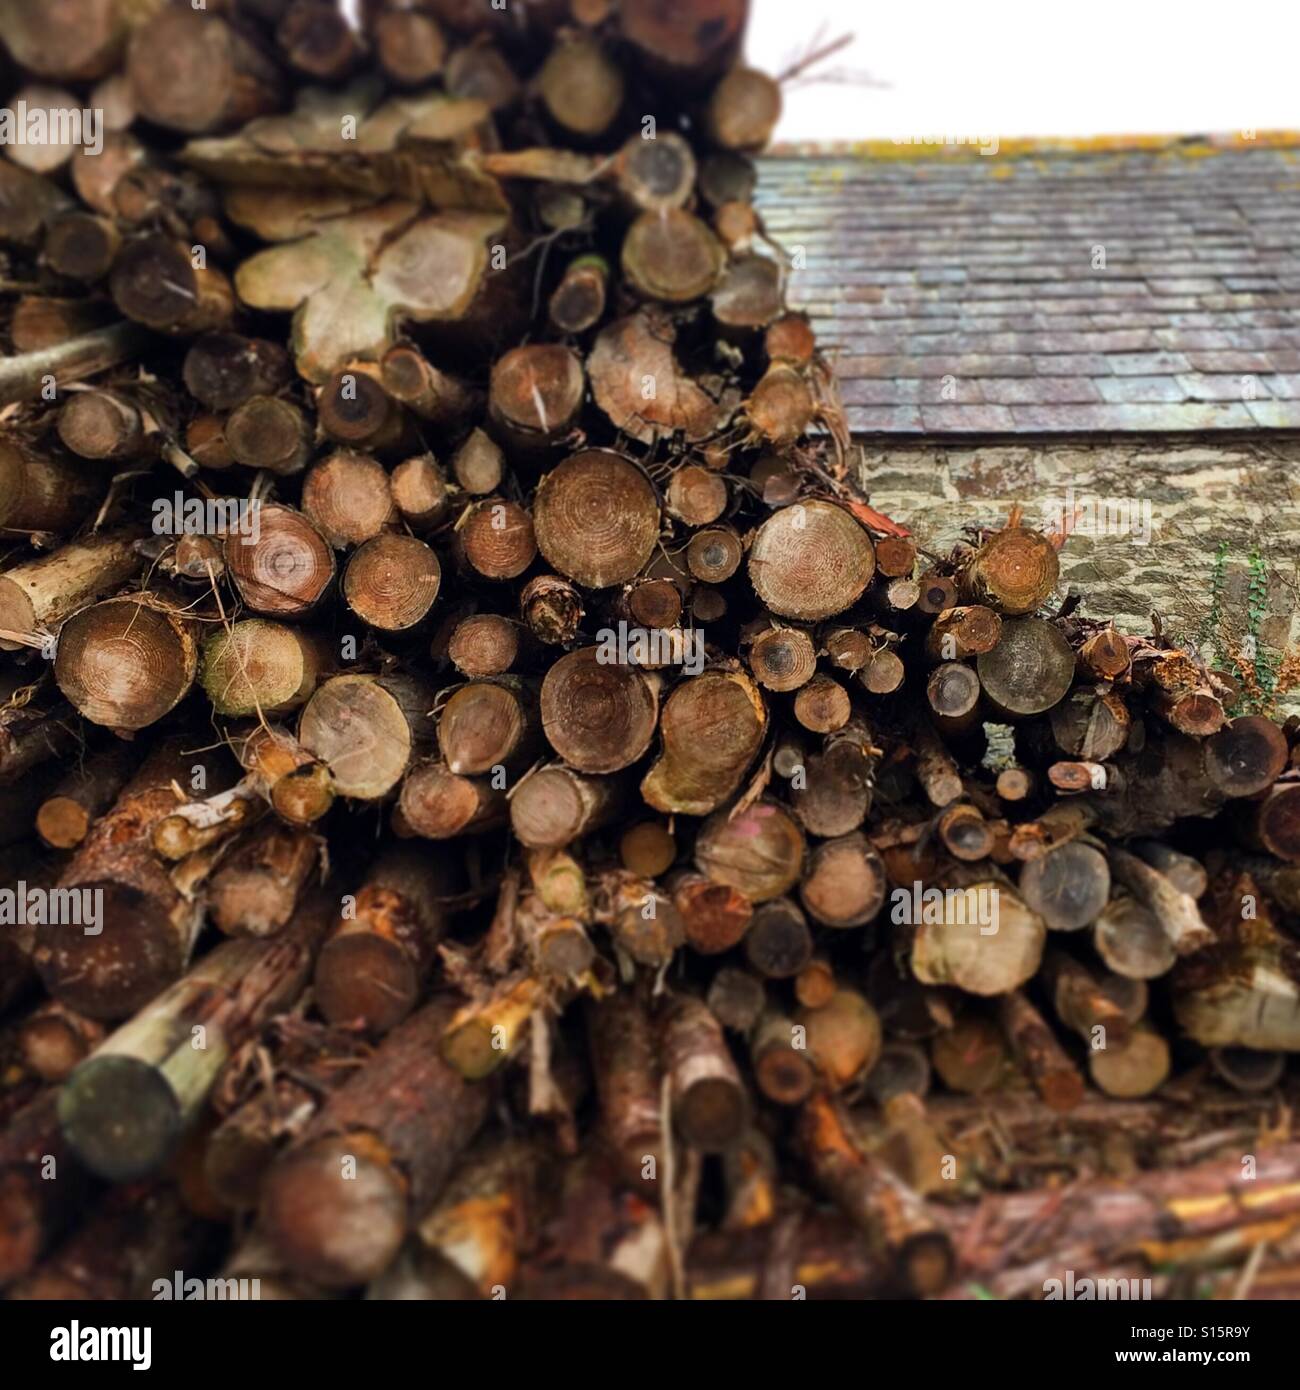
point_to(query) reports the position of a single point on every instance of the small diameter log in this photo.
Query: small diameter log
(953, 691)
(1034, 1046)
(1135, 1067)
(1083, 1004)
(194, 72)
(744, 109)
(1068, 886)
(822, 705)
(781, 406)
(581, 87)
(884, 673)
(578, 301)
(439, 804)
(902, 1069)
(43, 494)
(40, 594)
(1188, 875)
(554, 806)
(726, 177)
(205, 442)
(971, 1057)
(535, 395)
(696, 495)
(1092, 725)
(317, 40)
(782, 658)
(101, 425)
(784, 1072)
(497, 538)
(552, 609)
(1177, 913)
(260, 667)
(347, 498)
(377, 961)
(354, 408)
(54, 1039)
(749, 295)
(1105, 656)
(959, 633)
(1030, 670)
(489, 725)
(1013, 572)
(1246, 1070)
(814, 986)
(156, 282)
(671, 255)
(714, 554)
(848, 648)
(655, 175)
(981, 937)
(287, 570)
(625, 1065)
(843, 1037)
(68, 360)
(736, 998)
(559, 882)
(366, 730)
(126, 662)
(716, 916)
(1131, 940)
(758, 852)
(643, 921)
(271, 433)
(893, 1217)
(479, 464)
(82, 796)
(965, 833)
(938, 592)
(599, 717)
(935, 769)
(125, 1109)
(709, 1103)
(1246, 756)
(434, 395)
(409, 45)
(299, 788)
(845, 884)
(712, 727)
(391, 582)
(222, 370)
(779, 943)
(1014, 783)
(338, 1205)
(256, 889)
(836, 790)
(647, 849)
(486, 644)
(1181, 692)
(811, 561)
(597, 519)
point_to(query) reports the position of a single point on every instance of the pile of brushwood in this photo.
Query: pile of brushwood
(489, 809)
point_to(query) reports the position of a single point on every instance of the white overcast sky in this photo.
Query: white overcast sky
(1038, 67)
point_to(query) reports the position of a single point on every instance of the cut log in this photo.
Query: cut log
(287, 570)
(391, 582)
(260, 667)
(758, 852)
(366, 730)
(598, 717)
(40, 594)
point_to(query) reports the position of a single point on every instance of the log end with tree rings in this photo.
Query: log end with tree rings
(1068, 886)
(782, 658)
(361, 732)
(485, 726)
(1246, 756)
(347, 497)
(287, 570)
(671, 255)
(981, 937)
(759, 852)
(271, 433)
(596, 518)
(391, 582)
(126, 662)
(257, 667)
(536, 393)
(1030, 670)
(597, 715)
(811, 561)
(845, 884)
(1014, 571)
(657, 174)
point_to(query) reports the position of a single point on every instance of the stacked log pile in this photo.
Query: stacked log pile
(538, 831)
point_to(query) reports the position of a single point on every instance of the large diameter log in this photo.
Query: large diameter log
(126, 1107)
(981, 937)
(712, 727)
(596, 518)
(194, 72)
(1030, 670)
(810, 561)
(126, 662)
(338, 1205)
(554, 806)
(1013, 572)
(758, 852)
(72, 40)
(374, 965)
(39, 493)
(1246, 756)
(287, 570)
(260, 667)
(599, 717)
(366, 730)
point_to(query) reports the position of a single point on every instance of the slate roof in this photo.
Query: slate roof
(921, 266)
